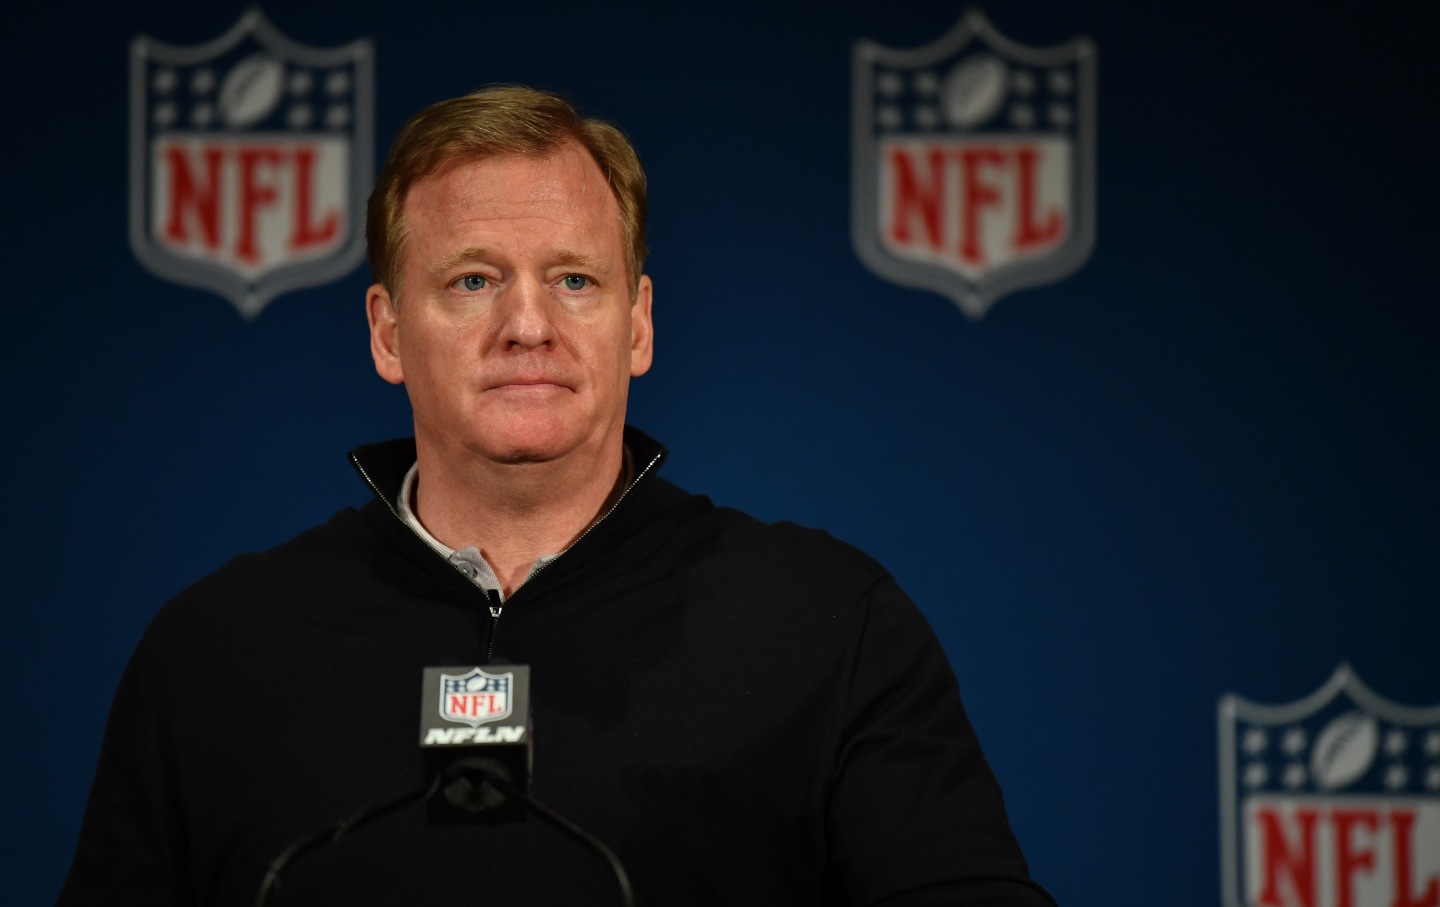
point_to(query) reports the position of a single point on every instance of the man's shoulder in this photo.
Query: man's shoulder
(793, 545)
(343, 537)
(255, 583)
(772, 560)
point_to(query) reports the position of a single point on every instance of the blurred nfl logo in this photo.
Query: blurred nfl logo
(1330, 801)
(250, 158)
(974, 163)
(475, 697)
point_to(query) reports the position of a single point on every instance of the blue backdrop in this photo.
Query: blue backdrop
(1205, 462)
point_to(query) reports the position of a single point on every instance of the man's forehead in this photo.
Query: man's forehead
(558, 206)
(567, 171)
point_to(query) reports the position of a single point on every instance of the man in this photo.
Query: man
(746, 713)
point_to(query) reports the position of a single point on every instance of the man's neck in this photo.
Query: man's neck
(515, 513)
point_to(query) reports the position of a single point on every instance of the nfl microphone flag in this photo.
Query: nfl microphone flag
(467, 711)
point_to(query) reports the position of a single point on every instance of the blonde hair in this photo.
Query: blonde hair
(502, 119)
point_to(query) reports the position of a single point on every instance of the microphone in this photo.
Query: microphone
(475, 736)
(482, 718)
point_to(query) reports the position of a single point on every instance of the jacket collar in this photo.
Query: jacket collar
(383, 466)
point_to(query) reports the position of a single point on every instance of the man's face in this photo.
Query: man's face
(515, 332)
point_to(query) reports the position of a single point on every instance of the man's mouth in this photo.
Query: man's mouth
(539, 383)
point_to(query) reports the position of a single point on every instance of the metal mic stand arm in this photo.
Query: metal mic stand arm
(494, 777)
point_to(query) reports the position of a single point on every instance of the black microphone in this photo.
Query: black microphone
(481, 716)
(475, 736)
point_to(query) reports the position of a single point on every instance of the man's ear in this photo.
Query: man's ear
(642, 329)
(384, 333)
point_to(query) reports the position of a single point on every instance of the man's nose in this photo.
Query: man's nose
(526, 310)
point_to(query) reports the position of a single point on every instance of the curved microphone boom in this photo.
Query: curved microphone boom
(470, 710)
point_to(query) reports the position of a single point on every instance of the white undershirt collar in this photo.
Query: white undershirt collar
(468, 561)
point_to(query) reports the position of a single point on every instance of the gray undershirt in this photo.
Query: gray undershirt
(468, 560)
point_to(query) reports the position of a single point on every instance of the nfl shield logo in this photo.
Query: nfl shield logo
(974, 163)
(250, 160)
(476, 697)
(1330, 801)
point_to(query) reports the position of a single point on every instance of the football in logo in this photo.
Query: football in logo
(1344, 750)
(251, 91)
(974, 90)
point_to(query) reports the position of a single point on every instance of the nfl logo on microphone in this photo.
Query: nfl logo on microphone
(250, 161)
(1330, 801)
(475, 697)
(496, 707)
(974, 163)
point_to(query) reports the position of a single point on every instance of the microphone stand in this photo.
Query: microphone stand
(312, 841)
(473, 784)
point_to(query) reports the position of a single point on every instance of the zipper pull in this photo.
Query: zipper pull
(492, 596)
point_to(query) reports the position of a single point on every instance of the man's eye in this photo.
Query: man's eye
(472, 282)
(575, 282)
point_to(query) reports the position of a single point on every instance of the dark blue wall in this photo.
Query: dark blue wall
(1205, 462)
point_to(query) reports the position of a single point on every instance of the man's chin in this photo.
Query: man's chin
(532, 438)
(530, 444)
(524, 457)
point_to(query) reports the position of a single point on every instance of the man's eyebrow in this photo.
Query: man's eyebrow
(565, 257)
(460, 257)
(571, 258)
